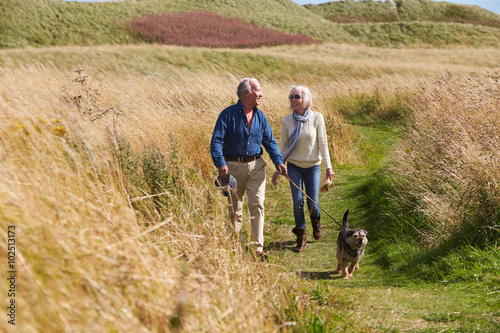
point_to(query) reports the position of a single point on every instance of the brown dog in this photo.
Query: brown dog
(350, 248)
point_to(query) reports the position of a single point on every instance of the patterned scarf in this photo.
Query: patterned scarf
(292, 141)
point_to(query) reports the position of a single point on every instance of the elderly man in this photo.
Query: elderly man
(239, 134)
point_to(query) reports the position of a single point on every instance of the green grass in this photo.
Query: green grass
(435, 34)
(400, 286)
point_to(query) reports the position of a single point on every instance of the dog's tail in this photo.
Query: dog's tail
(345, 224)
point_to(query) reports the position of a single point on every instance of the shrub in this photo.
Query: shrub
(205, 29)
(152, 175)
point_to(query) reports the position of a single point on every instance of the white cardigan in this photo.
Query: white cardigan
(312, 147)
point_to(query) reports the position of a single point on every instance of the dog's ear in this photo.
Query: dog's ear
(366, 232)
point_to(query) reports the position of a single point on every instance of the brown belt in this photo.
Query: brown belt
(241, 159)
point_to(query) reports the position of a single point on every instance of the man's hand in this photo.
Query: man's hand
(281, 170)
(224, 172)
(274, 180)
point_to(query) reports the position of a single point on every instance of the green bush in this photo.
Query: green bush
(152, 177)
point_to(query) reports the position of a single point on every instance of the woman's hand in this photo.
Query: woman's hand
(274, 180)
(330, 174)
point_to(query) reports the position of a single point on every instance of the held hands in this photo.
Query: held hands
(329, 174)
(281, 171)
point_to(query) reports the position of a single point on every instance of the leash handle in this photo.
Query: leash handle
(287, 177)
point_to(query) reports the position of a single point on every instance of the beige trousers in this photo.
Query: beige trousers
(251, 178)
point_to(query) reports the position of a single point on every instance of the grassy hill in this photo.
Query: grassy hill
(413, 22)
(351, 11)
(47, 22)
(410, 22)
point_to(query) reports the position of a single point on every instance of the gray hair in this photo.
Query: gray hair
(244, 85)
(306, 96)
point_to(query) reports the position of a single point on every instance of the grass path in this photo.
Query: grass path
(375, 299)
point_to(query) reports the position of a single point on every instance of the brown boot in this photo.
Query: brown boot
(261, 255)
(317, 233)
(301, 239)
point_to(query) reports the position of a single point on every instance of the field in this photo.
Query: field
(109, 218)
(107, 178)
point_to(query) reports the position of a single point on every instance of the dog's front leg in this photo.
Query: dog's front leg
(354, 265)
(339, 261)
(345, 273)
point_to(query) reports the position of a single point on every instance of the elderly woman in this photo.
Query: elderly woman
(304, 145)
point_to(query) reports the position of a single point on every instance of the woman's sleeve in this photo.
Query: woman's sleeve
(323, 142)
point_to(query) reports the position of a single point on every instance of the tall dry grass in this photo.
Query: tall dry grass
(449, 162)
(93, 254)
(85, 260)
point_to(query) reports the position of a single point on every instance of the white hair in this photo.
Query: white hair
(306, 96)
(244, 85)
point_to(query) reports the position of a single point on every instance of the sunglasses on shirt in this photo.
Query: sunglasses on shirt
(296, 96)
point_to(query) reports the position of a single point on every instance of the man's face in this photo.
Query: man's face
(255, 95)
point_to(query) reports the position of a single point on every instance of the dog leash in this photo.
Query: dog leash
(287, 177)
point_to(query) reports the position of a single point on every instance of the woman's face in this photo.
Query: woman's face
(296, 101)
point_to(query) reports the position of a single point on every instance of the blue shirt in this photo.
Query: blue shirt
(232, 138)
